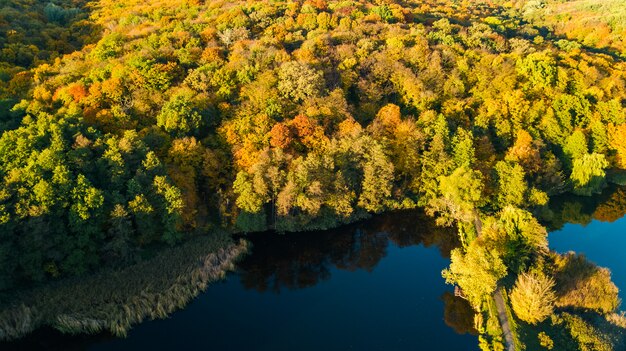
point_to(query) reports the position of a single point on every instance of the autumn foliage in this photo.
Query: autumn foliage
(155, 120)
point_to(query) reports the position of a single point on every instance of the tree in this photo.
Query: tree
(109, 46)
(87, 199)
(575, 147)
(262, 183)
(402, 142)
(459, 195)
(281, 136)
(298, 81)
(533, 297)
(463, 148)
(308, 185)
(289, 115)
(539, 68)
(180, 116)
(517, 237)
(436, 161)
(384, 12)
(120, 233)
(185, 158)
(171, 204)
(309, 135)
(588, 174)
(377, 179)
(617, 140)
(476, 271)
(387, 120)
(249, 135)
(252, 195)
(59, 14)
(365, 169)
(525, 152)
(512, 186)
(581, 284)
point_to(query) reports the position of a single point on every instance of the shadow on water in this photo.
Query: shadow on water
(302, 260)
(606, 207)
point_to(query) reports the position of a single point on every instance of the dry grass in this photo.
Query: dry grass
(115, 300)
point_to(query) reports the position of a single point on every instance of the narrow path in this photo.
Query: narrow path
(497, 296)
(504, 320)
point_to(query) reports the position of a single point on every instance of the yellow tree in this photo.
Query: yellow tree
(476, 271)
(617, 140)
(533, 297)
(525, 152)
(185, 157)
(460, 193)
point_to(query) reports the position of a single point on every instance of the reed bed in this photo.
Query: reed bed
(115, 300)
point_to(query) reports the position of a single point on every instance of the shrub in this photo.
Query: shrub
(581, 284)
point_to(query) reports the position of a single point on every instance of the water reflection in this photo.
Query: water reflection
(613, 208)
(458, 314)
(318, 274)
(606, 207)
(381, 296)
(302, 260)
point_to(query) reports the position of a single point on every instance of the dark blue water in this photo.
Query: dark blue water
(371, 286)
(375, 285)
(602, 242)
(396, 306)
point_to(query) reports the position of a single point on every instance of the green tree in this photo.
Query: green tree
(120, 233)
(377, 180)
(298, 81)
(463, 148)
(476, 271)
(575, 147)
(512, 186)
(436, 161)
(517, 236)
(171, 204)
(459, 195)
(588, 174)
(180, 116)
(252, 195)
(540, 69)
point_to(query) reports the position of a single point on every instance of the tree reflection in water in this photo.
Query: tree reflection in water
(458, 314)
(302, 260)
(606, 207)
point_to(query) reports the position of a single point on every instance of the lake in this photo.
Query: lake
(373, 285)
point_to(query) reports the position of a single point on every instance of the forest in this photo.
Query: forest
(129, 126)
